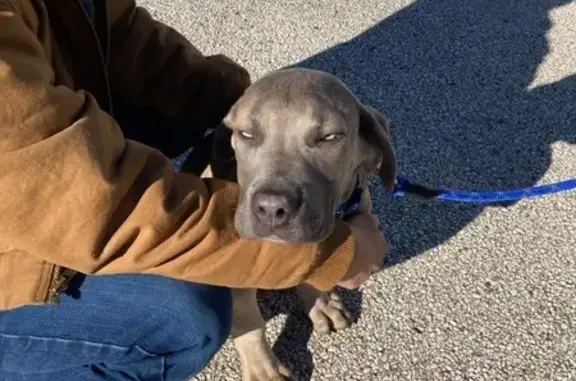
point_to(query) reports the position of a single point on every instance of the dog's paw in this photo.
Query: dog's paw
(329, 313)
(258, 361)
(325, 309)
(265, 369)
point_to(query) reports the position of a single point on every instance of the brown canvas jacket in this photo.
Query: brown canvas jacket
(76, 196)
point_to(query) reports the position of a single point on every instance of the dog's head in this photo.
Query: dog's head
(302, 140)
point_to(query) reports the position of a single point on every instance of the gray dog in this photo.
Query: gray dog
(301, 144)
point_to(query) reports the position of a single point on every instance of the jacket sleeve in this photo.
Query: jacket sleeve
(151, 64)
(75, 193)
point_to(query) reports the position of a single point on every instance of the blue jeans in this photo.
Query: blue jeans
(116, 328)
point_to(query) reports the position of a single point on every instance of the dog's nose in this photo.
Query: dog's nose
(275, 208)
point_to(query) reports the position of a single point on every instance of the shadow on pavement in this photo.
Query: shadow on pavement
(454, 79)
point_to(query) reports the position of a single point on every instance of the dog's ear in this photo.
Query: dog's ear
(375, 133)
(222, 159)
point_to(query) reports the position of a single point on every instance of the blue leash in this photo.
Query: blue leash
(404, 187)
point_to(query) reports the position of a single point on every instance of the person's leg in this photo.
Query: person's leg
(116, 328)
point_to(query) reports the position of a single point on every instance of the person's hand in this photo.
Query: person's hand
(371, 247)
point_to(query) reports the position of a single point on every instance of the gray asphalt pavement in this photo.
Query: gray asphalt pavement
(481, 95)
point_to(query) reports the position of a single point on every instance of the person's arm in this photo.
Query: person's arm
(74, 192)
(153, 65)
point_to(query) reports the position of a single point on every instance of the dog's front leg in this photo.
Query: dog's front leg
(325, 309)
(249, 337)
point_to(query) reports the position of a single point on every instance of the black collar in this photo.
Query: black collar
(350, 206)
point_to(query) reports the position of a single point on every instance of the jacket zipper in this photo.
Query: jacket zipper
(60, 279)
(51, 294)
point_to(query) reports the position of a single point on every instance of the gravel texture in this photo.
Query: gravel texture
(481, 95)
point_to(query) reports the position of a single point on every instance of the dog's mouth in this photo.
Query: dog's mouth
(310, 234)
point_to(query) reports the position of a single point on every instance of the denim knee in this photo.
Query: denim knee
(218, 323)
(131, 327)
(188, 324)
(203, 316)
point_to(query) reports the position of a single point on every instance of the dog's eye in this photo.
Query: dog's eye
(330, 138)
(246, 135)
